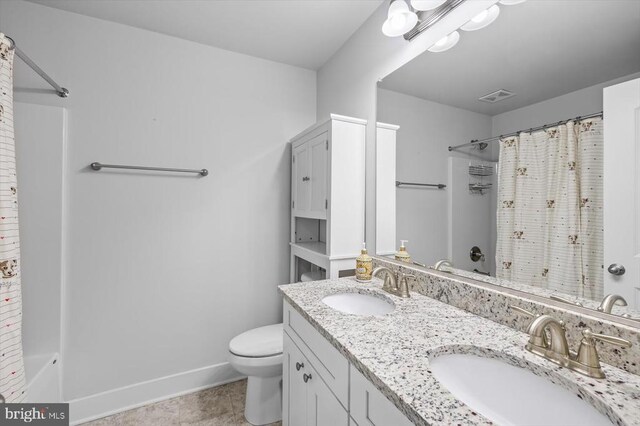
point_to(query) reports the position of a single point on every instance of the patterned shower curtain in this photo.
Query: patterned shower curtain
(550, 202)
(12, 379)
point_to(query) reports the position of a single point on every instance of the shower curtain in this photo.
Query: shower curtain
(12, 379)
(550, 201)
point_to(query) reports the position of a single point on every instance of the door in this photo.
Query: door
(318, 150)
(294, 395)
(323, 408)
(300, 179)
(622, 191)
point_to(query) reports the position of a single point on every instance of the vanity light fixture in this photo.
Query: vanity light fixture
(511, 2)
(482, 19)
(426, 4)
(400, 19)
(445, 43)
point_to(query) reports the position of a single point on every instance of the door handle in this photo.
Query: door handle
(299, 365)
(616, 269)
(306, 377)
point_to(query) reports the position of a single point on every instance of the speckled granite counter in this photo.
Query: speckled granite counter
(393, 352)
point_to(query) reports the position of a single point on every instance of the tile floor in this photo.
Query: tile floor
(219, 406)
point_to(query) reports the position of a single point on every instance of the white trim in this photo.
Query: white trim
(332, 117)
(381, 125)
(338, 117)
(139, 394)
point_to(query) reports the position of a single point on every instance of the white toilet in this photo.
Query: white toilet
(257, 353)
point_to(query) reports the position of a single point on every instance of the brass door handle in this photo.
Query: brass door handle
(299, 365)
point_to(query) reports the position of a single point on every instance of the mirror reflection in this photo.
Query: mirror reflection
(507, 170)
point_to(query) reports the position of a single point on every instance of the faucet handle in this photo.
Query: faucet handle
(588, 334)
(563, 300)
(403, 284)
(522, 311)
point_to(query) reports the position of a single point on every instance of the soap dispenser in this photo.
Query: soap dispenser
(402, 254)
(364, 265)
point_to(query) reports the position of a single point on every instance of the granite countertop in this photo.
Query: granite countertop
(393, 352)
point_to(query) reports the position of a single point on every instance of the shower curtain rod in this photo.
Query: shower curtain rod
(533, 129)
(61, 91)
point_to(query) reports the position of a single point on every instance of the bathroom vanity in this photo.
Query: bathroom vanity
(344, 366)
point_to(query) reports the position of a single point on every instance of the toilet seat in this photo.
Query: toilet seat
(260, 342)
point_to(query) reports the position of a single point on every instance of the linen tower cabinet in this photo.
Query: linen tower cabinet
(327, 198)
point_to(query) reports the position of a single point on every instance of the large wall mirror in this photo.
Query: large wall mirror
(498, 175)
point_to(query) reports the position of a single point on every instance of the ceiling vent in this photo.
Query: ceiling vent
(497, 96)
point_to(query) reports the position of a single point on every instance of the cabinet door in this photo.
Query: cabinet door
(318, 156)
(323, 408)
(300, 179)
(294, 395)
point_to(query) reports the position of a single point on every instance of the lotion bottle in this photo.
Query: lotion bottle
(364, 265)
(402, 254)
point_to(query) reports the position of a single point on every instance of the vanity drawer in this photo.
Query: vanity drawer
(370, 407)
(330, 364)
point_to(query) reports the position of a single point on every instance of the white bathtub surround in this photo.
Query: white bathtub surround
(394, 351)
(12, 374)
(44, 377)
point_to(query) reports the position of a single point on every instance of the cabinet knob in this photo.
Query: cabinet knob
(306, 377)
(299, 365)
(306, 178)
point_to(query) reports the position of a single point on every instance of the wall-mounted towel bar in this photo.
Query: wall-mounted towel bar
(435, 185)
(97, 166)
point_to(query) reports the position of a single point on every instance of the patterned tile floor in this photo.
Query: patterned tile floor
(219, 406)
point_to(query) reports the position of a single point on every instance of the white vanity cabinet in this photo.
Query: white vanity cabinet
(308, 400)
(321, 388)
(327, 196)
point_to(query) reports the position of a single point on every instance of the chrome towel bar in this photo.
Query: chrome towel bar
(435, 185)
(97, 166)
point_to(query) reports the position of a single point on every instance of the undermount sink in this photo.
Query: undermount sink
(509, 395)
(359, 304)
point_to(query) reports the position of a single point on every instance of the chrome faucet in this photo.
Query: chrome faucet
(609, 300)
(397, 285)
(553, 346)
(444, 262)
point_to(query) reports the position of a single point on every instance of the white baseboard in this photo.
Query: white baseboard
(132, 396)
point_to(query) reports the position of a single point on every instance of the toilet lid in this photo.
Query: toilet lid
(259, 342)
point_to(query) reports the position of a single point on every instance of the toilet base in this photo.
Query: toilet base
(264, 400)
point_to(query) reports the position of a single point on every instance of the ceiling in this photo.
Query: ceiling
(537, 49)
(304, 33)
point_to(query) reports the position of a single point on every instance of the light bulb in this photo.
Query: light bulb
(445, 43)
(400, 19)
(426, 4)
(482, 19)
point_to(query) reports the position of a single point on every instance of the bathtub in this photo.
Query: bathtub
(43, 378)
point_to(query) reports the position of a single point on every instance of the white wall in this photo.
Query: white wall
(162, 270)
(426, 130)
(581, 102)
(347, 82)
